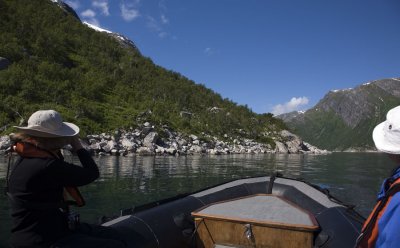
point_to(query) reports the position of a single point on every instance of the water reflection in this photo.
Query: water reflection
(128, 181)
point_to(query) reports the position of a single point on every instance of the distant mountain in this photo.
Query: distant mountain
(344, 119)
(288, 117)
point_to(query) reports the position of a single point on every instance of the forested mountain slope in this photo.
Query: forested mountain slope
(52, 60)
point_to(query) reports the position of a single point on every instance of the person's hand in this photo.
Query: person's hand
(75, 143)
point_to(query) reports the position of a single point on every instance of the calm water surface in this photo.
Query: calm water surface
(128, 181)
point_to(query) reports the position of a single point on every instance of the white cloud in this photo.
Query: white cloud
(293, 105)
(153, 24)
(164, 19)
(88, 13)
(208, 51)
(128, 12)
(73, 4)
(90, 17)
(162, 34)
(103, 5)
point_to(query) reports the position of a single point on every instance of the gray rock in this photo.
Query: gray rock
(150, 139)
(91, 136)
(4, 142)
(160, 150)
(114, 152)
(169, 133)
(171, 151)
(214, 152)
(185, 114)
(123, 152)
(182, 142)
(94, 147)
(175, 144)
(110, 145)
(144, 151)
(146, 130)
(196, 149)
(280, 147)
(127, 144)
(294, 146)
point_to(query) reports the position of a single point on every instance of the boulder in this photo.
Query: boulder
(123, 152)
(175, 144)
(146, 130)
(144, 151)
(196, 149)
(94, 147)
(280, 147)
(150, 139)
(160, 150)
(114, 152)
(214, 152)
(4, 142)
(171, 151)
(294, 146)
(128, 144)
(182, 142)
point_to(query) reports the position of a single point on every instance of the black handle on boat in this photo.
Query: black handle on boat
(271, 181)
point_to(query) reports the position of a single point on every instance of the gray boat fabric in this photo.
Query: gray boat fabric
(309, 191)
(303, 187)
(230, 185)
(260, 208)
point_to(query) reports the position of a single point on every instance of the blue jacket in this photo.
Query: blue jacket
(389, 223)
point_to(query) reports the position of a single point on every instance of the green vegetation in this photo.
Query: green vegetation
(324, 127)
(94, 81)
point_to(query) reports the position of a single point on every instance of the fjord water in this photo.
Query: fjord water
(125, 182)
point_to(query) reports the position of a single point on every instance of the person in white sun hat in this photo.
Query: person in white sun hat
(382, 228)
(39, 180)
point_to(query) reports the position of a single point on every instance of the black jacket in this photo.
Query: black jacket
(36, 190)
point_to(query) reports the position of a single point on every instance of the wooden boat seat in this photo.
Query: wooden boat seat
(255, 221)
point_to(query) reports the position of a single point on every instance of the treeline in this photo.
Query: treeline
(94, 81)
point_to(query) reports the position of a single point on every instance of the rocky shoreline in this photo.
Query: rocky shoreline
(146, 141)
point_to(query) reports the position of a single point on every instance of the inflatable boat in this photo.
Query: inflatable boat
(252, 212)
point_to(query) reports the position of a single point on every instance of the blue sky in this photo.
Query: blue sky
(273, 55)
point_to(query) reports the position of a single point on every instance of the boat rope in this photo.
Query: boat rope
(197, 228)
(151, 230)
(349, 207)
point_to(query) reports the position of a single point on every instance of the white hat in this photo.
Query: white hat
(48, 123)
(387, 134)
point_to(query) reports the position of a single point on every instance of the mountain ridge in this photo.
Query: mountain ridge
(344, 119)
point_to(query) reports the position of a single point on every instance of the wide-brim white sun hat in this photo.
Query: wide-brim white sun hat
(386, 135)
(48, 123)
